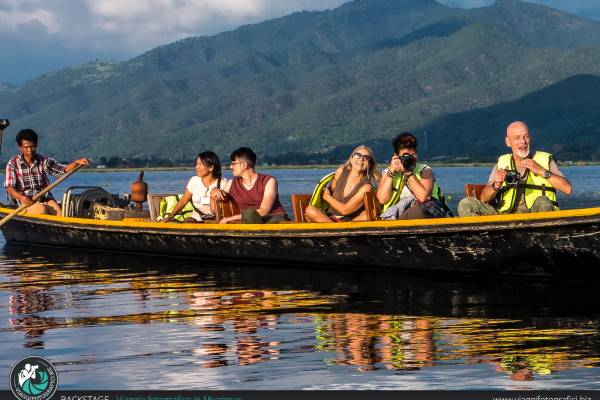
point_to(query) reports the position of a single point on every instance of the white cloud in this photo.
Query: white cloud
(147, 23)
(15, 14)
(133, 26)
(72, 31)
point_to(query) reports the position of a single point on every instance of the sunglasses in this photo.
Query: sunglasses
(358, 156)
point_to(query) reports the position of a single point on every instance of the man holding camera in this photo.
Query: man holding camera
(408, 189)
(26, 175)
(520, 182)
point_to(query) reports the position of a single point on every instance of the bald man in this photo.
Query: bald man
(520, 182)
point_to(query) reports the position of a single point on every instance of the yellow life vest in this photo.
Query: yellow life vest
(316, 199)
(534, 186)
(399, 181)
(167, 205)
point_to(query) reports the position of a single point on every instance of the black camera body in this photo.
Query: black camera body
(409, 162)
(4, 123)
(512, 178)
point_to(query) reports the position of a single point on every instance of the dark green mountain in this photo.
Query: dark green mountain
(539, 26)
(563, 119)
(312, 84)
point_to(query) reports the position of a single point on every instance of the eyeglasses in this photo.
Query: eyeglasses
(231, 164)
(358, 156)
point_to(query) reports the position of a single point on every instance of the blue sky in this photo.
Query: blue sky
(38, 36)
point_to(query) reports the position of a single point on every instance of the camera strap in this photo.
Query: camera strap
(400, 185)
(543, 188)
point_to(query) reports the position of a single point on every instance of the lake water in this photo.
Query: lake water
(135, 322)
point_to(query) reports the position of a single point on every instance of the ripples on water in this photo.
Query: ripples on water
(134, 322)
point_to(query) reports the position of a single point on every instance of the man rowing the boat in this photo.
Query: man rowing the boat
(27, 175)
(520, 182)
(255, 194)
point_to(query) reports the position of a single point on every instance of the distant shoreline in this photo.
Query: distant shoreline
(325, 166)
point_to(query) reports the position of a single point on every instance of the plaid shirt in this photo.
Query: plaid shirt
(31, 179)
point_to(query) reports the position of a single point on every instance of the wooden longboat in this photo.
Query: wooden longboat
(558, 245)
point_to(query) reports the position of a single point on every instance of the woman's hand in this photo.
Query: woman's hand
(327, 194)
(168, 218)
(217, 194)
(226, 220)
(233, 218)
(395, 164)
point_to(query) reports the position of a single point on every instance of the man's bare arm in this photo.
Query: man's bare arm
(269, 197)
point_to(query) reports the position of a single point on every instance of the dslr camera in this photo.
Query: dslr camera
(512, 178)
(409, 162)
(4, 123)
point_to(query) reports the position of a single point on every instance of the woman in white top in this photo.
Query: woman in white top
(208, 176)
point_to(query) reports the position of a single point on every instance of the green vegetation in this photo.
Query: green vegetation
(309, 87)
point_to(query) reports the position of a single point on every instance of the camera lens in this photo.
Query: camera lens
(409, 162)
(512, 178)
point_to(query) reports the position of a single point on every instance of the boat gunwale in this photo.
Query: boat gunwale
(410, 227)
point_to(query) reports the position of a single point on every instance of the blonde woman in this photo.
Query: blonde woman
(344, 197)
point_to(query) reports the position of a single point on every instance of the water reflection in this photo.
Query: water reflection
(246, 313)
(231, 318)
(370, 342)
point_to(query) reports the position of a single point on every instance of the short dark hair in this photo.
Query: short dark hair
(405, 140)
(245, 153)
(210, 159)
(27, 134)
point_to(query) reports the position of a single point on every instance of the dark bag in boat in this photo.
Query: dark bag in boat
(436, 209)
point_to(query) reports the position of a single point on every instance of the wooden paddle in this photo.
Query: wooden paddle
(40, 194)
